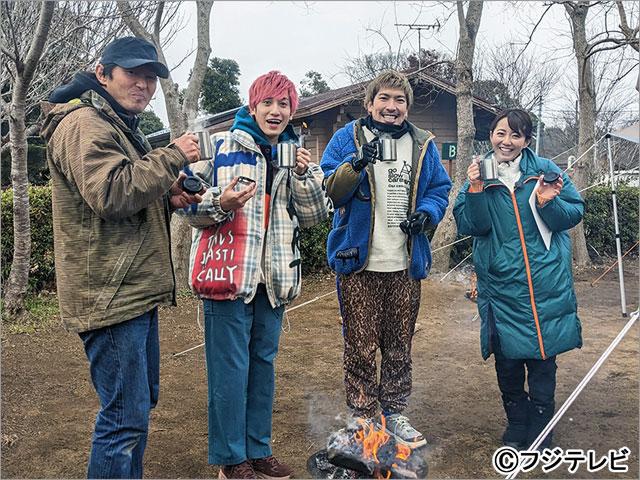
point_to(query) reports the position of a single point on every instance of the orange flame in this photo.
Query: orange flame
(402, 451)
(372, 438)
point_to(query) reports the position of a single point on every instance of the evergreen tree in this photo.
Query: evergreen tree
(312, 84)
(150, 122)
(220, 86)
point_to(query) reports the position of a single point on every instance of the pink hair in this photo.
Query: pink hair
(273, 85)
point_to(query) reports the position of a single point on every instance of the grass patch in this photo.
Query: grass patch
(41, 311)
(185, 293)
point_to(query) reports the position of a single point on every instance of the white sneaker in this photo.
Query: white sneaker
(398, 425)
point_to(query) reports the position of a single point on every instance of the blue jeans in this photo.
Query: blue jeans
(125, 371)
(241, 344)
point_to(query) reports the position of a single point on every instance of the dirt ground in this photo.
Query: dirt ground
(48, 404)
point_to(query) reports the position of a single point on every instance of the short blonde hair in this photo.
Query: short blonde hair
(389, 79)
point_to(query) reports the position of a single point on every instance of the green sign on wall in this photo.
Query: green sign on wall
(449, 151)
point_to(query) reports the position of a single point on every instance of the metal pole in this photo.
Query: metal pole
(539, 125)
(449, 272)
(593, 284)
(583, 383)
(419, 50)
(623, 300)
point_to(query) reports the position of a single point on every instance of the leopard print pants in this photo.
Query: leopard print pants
(379, 310)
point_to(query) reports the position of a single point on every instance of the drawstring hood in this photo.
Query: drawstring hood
(83, 81)
(244, 121)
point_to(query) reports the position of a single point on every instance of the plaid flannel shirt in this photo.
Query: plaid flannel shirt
(296, 201)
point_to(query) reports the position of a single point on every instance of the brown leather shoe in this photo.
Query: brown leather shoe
(270, 467)
(240, 470)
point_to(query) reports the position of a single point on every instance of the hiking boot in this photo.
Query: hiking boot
(538, 419)
(515, 435)
(271, 467)
(399, 426)
(240, 470)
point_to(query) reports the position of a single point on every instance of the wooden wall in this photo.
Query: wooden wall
(433, 110)
(430, 111)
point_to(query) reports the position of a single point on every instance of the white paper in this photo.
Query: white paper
(545, 233)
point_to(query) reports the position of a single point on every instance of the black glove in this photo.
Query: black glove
(366, 154)
(416, 223)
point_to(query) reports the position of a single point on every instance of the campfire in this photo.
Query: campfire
(368, 449)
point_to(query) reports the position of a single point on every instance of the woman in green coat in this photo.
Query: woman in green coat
(522, 256)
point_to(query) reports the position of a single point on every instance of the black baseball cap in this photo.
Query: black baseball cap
(132, 52)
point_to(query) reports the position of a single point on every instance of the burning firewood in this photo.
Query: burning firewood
(368, 449)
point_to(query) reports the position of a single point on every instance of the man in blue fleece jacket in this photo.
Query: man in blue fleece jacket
(378, 246)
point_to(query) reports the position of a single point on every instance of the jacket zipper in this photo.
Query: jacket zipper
(412, 202)
(167, 221)
(373, 198)
(414, 194)
(527, 267)
(256, 276)
(267, 257)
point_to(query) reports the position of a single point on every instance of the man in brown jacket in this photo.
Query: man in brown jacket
(112, 200)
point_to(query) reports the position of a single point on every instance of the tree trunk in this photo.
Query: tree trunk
(587, 118)
(179, 116)
(180, 229)
(18, 281)
(469, 24)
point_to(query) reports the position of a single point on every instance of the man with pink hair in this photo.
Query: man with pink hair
(245, 265)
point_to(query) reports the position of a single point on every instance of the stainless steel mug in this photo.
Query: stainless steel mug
(204, 142)
(286, 155)
(388, 149)
(489, 168)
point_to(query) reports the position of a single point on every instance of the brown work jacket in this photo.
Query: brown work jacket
(110, 215)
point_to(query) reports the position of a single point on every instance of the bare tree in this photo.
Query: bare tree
(366, 66)
(151, 28)
(394, 55)
(369, 65)
(526, 80)
(39, 48)
(79, 31)
(585, 49)
(630, 32)
(469, 23)
(22, 63)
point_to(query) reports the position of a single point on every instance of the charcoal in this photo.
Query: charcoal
(344, 451)
(351, 461)
(318, 466)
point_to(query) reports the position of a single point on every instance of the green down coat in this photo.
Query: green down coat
(525, 292)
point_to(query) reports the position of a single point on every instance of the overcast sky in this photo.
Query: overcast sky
(295, 37)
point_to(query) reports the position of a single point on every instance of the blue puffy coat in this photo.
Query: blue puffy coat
(351, 192)
(525, 292)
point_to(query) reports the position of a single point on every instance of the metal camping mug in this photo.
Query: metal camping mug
(286, 153)
(387, 149)
(489, 168)
(206, 150)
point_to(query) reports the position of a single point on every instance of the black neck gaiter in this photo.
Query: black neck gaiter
(377, 128)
